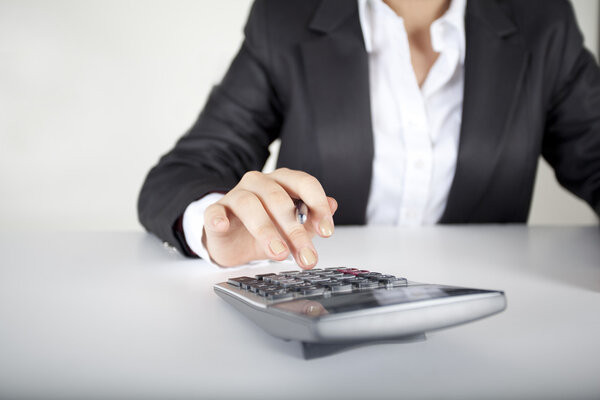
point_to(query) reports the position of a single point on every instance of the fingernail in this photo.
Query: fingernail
(277, 246)
(326, 227)
(308, 257)
(313, 310)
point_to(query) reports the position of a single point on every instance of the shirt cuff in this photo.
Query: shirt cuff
(193, 225)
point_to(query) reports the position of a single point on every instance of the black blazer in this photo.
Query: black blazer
(302, 75)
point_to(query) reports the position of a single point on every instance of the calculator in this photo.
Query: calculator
(345, 305)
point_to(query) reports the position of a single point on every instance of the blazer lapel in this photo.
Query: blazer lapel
(337, 75)
(495, 65)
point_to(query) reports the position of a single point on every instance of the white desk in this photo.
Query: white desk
(117, 315)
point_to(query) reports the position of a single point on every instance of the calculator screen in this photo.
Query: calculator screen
(319, 306)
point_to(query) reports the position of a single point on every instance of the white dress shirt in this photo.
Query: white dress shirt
(415, 129)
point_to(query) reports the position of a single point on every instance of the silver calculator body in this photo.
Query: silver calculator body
(339, 304)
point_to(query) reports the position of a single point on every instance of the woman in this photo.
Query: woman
(402, 112)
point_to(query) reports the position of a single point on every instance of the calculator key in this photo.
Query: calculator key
(269, 291)
(262, 277)
(386, 278)
(279, 295)
(344, 287)
(238, 281)
(398, 282)
(312, 290)
(354, 272)
(254, 289)
(367, 284)
(247, 284)
(280, 279)
(317, 280)
(369, 275)
(291, 283)
(255, 283)
(329, 284)
(346, 270)
(299, 287)
(290, 273)
(263, 286)
(264, 292)
(354, 280)
(325, 273)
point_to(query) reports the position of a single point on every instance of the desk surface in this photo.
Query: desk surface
(117, 315)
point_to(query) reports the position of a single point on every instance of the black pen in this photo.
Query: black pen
(301, 211)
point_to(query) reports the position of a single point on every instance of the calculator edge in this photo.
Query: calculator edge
(441, 313)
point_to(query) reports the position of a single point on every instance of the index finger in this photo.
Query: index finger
(307, 188)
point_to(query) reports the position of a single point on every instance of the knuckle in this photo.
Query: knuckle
(297, 234)
(309, 181)
(264, 230)
(279, 198)
(283, 170)
(251, 176)
(245, 200)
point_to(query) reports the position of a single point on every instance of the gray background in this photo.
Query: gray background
(93, 92)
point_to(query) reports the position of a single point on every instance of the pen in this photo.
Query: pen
(301, 211)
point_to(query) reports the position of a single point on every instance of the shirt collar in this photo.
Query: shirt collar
(453, 18)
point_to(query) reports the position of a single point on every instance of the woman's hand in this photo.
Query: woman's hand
(257, 220)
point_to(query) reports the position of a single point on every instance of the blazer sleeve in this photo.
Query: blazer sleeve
(572, 137)
(231, 136)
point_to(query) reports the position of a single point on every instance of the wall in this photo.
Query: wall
(93, 92)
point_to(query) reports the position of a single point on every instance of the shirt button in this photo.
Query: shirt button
(419, 164)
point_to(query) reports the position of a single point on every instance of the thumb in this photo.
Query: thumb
(215, 219)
